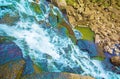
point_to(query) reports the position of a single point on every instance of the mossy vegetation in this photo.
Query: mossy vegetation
(87, 33)
(35, 7)
(98, 58)
(71, 2)
(97, 0)
(6, 39)
(68, 30)
(37, 69)
(53, 19)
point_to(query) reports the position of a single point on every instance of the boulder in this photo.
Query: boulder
(28, 68)
(35, 8)
(55, 75)
(9, 51)
(9, 19)
(12, 70)
(88, 46)
(69, 30)
(59, 3)
(115, 60)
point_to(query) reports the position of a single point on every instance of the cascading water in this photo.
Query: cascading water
(37, 35)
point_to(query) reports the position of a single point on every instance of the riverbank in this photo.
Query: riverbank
(102, 17)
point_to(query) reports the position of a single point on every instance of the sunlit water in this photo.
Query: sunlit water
(44, 44)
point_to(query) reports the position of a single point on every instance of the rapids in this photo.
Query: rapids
(37, 36)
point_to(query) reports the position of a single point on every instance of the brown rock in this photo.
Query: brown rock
(12, 70)
(8, 19)
(115, 60)
(97, 38)
(59, 3)
(55, 75)
(37, 1)
(71, 19)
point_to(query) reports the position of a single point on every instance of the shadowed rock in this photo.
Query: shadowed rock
(28, 68)
(8, 52)
(87, 46)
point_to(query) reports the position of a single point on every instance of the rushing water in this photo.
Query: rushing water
(52, 50)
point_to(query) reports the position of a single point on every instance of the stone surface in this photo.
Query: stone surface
(8, 52)
(12, 70)
(51, 75)
(88, 46)
(115, 60)
(9, 19)
(59, 3)
(28, 67)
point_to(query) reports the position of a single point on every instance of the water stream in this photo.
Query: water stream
(37, 35)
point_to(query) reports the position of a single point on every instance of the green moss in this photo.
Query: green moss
(113, 16)
(37, 69)
(87, 33)
(35, 7)
(6, 39)
(71, 36)
(106, 4)
(93, 1)
(98, 58)
(67, 30)
(60, 0)
(97, 1)
(71, 2)
(118, 3)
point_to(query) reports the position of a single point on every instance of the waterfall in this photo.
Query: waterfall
(37, 35)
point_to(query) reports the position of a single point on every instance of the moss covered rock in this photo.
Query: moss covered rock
(87, 33)
(35, 8)
(6, 39)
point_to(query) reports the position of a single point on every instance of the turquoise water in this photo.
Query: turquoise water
(37, 35)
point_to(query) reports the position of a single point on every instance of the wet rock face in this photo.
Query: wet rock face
(12, 70)
(48, 0)
(50, 75)
(9, 52)
(88, 46)
(59, 3)
(28, 67)
(9, 19)
(115, 60)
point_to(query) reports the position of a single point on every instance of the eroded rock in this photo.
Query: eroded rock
(12, 70)
(115, 60)
(55, 75)
(8, 52)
